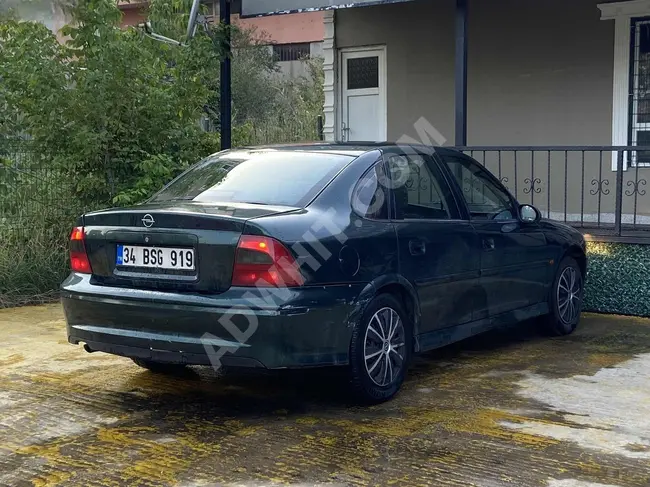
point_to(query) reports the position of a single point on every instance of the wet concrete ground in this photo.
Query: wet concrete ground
(511, 408)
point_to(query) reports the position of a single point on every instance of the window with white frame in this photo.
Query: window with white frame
(631, 95)
(640, 91)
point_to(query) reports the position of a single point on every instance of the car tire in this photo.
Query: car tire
(378, 361)
(159, 367)
(565, 300)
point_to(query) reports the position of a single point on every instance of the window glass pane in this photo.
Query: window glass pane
(370, 198)
(485, 199)
(643, 139)
(263, 177)
(419, 192)
(642, 72)
(640, 102)
(363, 73)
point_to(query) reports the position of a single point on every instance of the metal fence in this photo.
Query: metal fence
(599, 189)
(34, 195)
(34, 191)
(284, 131)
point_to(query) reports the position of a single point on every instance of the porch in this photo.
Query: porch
(553, 98)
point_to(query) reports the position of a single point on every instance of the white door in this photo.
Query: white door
(363, 95)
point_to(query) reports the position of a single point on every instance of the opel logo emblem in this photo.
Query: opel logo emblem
(148, 220)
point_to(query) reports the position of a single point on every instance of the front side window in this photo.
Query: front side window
(268, 177)
(420, 191)
(486, 200)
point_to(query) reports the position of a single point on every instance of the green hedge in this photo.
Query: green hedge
(618, 279)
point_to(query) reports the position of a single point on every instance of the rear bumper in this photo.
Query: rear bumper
(241, 327)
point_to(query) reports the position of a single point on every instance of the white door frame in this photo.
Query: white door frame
(383, 83)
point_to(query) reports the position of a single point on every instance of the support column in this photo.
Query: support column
(225, 81)
(461, 73)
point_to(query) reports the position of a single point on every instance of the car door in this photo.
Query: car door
(515, 257)
(438, 251)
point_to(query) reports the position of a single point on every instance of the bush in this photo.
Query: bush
(31, 269)
(112, 115)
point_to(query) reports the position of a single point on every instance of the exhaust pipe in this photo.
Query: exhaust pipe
(87, 348)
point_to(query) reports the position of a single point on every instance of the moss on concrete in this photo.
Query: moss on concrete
(618, 279)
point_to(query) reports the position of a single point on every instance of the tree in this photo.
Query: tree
(118, 112)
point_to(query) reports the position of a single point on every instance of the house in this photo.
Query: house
(499, 73)
(293, 38)
(553, 97)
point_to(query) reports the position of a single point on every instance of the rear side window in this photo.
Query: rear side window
(259, 177)
(370, 196)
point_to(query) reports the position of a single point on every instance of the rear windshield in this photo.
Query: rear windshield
(258, 177)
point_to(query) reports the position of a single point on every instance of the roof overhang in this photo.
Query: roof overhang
(257, 8)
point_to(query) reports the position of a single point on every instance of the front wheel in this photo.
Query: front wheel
(380, 350)
(566, 298)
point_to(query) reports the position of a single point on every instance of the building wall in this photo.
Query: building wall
(538, 75)
(285, 29)
(134, 15)
(281, 29)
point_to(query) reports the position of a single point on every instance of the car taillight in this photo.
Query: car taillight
(264, 262)
(78, 258)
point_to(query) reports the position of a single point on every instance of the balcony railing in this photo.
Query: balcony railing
(601, 190)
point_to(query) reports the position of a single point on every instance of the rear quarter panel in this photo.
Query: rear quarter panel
(331, 242)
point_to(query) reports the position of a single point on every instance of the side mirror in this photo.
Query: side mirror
(529, 214)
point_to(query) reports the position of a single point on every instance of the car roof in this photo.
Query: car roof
(354, 149)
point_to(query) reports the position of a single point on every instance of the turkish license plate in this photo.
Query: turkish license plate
(155, 257)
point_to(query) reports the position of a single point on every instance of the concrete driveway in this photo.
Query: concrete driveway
(510, 408)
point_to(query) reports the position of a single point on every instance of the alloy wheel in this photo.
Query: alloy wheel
(569, 295)
(384, 347)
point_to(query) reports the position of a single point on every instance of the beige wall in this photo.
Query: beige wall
(539, 72)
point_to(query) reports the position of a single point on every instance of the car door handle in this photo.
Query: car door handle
(417, 247)
(488, 244)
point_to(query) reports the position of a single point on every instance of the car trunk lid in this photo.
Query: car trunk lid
(210, 231)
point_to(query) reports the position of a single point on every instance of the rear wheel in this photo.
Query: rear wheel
(159, 367)
(565, 301)
(380, 350)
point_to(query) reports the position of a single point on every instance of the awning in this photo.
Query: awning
(256, 8)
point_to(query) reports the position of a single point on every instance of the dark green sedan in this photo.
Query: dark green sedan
(318, 255)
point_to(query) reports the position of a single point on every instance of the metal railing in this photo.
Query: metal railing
(598, 189)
